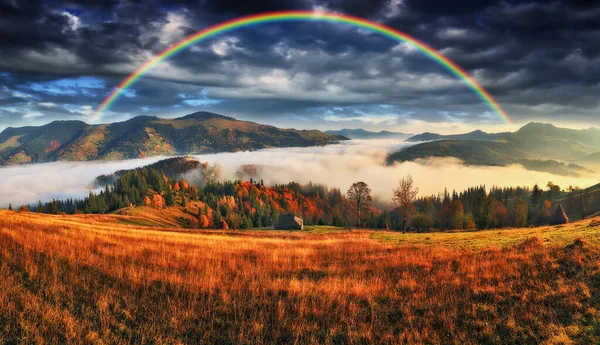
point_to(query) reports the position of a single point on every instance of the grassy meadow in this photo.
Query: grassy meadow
(87, 279)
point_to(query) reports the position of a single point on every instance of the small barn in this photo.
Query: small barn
(559, 216)
(289, 222)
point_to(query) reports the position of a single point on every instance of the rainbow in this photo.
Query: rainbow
(283, 16)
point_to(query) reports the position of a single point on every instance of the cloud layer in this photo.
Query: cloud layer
(333, 165)
(540, 59)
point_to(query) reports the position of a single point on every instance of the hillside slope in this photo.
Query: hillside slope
(475, 135)
(540, 141)
(143, 136)
(537, 146)
(490, 153)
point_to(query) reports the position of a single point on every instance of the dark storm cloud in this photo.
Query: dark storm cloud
(538, 58)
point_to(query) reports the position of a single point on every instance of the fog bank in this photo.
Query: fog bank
(333, 165)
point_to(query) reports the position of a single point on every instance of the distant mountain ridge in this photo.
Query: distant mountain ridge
(143, 136)
(536, 146)
(364, 134)
(475, 135)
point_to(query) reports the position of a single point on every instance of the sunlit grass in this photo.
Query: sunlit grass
(86, 279)
(323, 229)
(556, 235)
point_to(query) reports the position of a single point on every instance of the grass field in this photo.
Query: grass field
(108, 279)
(550, 235)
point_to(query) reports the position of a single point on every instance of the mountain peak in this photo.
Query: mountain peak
(57, 122)
(141, 118)
(537, 125)
(205, 115)
(144, 135)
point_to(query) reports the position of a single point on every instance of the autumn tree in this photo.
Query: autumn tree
(158, 201)
(203, 221)
(444, 215)
(458, 214)
(404, 198)
(500, 215)
(544, 212)
(451, 215)
(469, 222)
(360, 195)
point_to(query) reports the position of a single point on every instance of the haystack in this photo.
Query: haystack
(559, 216)
(289, 222)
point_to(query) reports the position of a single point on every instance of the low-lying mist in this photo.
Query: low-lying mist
(333, 165)
(26, 184)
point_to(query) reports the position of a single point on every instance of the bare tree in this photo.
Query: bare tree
(404, 197)
(360, 194)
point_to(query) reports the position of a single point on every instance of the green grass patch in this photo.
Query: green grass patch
(323, 229)
(558, 235)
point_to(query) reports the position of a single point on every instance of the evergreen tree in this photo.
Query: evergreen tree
(246, 223)
(169, 197)
(536, 195)
(217, 218)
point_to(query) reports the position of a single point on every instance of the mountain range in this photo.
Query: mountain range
(475, 135)
(536, 146)
(363, 134)
(142, 136)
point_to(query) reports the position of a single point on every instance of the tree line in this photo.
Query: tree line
(251, 204)
(474, 208)
(229, 204)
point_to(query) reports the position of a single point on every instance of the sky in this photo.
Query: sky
(540, 59)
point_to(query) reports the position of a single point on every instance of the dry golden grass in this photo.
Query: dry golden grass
(83, 279)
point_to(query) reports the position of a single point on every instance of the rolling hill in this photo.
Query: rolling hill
(363, 134)
(475, 135)
(142, 136)
(586, 137)
(537, 146)
(490, 153)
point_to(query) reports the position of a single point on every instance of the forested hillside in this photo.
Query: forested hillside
(186, 193)
(209, 203)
